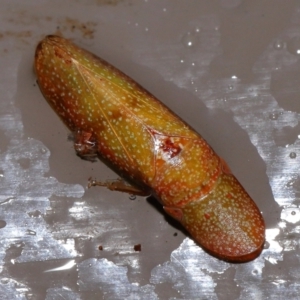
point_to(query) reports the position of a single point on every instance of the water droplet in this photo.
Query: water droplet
(299, 136)
(34, 214)
(278, 45)
(230, 87)
(193, 64)
(290, 215)
(49, 211)
(132, 197)
(2, 223)
(293, 45)
(182, 61)
(30, 232)
(5, 280)
(8, 200)
(290, 183)
(1, 174)
(189, 39)
(43, 150)
(234, 77)
(293, 155)
(273, 116)
(255, 272)
(135, 284)
(29, 296)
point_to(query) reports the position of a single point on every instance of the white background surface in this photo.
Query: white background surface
(230, 68)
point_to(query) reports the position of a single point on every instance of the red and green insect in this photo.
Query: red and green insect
(114, 118)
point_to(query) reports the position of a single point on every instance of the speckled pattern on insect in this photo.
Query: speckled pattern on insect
(114, 118)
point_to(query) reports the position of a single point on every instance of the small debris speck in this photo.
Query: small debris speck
(137, 247)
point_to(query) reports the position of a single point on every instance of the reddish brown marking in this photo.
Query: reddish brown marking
(207, 216)
(116, 114)
(171, 148)
(229, 196)
(59, 53)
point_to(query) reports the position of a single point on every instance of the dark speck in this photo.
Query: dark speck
(137, 247)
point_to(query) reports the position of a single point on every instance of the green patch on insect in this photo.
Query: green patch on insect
(114, 118)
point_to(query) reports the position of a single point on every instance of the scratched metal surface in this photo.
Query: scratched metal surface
(231, 69)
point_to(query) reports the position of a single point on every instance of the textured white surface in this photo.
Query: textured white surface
(230, 68)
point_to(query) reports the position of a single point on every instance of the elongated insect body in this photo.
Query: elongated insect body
(114, 118)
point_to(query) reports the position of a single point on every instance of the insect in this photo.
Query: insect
(114, 118)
